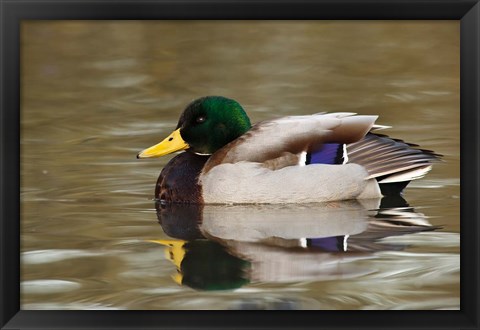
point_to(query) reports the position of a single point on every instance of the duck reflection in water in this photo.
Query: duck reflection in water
(224, 247)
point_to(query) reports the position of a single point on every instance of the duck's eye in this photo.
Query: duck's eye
(200, 119)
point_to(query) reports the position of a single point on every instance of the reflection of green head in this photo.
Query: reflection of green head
(209, 123)
(207, 266)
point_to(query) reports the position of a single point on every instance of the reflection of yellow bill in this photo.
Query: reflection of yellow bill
(175, 253)
(171, 143)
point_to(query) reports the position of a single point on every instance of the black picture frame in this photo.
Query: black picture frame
(14, 11)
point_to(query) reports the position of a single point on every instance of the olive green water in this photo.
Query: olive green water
(93, 94)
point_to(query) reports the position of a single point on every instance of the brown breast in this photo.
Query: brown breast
(178, 183)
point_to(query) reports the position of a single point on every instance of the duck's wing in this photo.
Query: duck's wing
(391, 160)
(280, 139)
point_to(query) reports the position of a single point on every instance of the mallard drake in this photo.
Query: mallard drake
(296, 159)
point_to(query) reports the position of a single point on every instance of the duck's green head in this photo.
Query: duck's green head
(206, 125)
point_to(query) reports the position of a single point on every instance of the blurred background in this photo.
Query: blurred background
(94, 93)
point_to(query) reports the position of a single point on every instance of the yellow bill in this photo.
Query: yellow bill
(171, 143)
(175, 252)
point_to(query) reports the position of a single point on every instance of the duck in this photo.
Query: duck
(321, 157)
